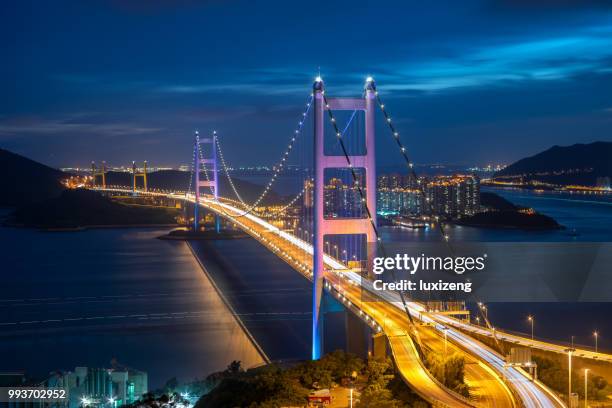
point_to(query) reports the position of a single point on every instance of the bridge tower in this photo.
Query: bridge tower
(337, 226)
(136, 174)
(211, 181)
(95, 172)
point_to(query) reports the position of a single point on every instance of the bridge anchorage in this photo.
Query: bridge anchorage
(136, 173)
(98, 172)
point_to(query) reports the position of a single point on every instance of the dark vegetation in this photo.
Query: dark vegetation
(496, 202)
(554, 375)
(501, 213)
(511, 219)
(25, 181)
(76, 208)
(449, 371)
(274, 385)
(576, 164)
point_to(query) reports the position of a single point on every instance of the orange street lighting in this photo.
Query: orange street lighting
(586, 397)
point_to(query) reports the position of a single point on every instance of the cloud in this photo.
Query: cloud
(492, 64)
(556, 58)
(70, 125)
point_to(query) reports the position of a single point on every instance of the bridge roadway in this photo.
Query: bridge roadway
(493, 384)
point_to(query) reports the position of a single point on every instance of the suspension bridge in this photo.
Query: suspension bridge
(306, 241)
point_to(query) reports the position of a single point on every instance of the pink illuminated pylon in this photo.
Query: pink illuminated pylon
(322, 226)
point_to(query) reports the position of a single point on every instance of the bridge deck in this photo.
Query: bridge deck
(494, 385)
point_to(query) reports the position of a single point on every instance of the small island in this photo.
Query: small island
(184, 234)
(501, 213)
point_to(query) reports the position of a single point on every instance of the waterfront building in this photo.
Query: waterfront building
(100, 386)
(399, 195)
(453, 196)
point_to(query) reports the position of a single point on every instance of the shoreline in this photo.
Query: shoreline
(87, 227)
(510, 227)
(540, 190)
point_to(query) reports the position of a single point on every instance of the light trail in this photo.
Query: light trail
(532, 393)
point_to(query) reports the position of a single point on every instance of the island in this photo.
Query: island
(79, 208)
(501, 213)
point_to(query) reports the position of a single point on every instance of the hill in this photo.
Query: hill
(78, 208)
(576, 164)
(25, 181)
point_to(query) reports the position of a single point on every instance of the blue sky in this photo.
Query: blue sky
(468, 82)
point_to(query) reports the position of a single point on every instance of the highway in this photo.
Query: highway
(524, 341)
(491, 373)
(494, 384)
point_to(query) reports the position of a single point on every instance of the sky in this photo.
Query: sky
(467, 82)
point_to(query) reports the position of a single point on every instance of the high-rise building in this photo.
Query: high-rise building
(398, 194)
(453, 196)
(342, 200)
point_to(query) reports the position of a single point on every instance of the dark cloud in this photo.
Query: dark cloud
(551, 5)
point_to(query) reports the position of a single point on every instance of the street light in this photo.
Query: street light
(569, 374)
(596, 335)
(445, 329)
(530, 319)
(351, 398)
(586, 398)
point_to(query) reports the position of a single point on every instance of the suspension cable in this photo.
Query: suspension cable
(410, 165)
(227, 175)
(277, 169)
(362, 195)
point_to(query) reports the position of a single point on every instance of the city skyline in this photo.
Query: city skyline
(492, 81)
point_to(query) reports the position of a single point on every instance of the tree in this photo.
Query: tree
(377, 398)
(375, 371)
(450, 371)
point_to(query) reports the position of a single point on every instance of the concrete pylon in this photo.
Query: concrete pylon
(336, 226)
(212, 181)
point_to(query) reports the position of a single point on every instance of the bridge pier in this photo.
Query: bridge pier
(344, 330)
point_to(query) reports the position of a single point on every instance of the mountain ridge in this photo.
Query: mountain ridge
(579, 163)
(25, 180)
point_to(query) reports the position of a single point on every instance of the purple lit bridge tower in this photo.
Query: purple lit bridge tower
(337, 226)
(208, 165)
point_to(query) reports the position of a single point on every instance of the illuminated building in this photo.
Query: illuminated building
(453, 196)
(398, 194)
(98, 386)
(308, 190)
(342, 200)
